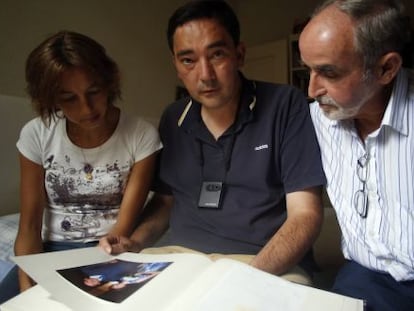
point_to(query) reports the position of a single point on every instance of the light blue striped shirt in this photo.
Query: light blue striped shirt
(384, 240)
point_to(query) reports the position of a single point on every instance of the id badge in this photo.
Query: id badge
(210, 194)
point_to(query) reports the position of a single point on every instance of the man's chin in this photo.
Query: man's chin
(336, 115)
(332, 116)
(328, 110)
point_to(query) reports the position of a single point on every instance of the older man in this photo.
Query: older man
(365, 128)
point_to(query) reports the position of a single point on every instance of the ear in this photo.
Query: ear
(241, 53)
(389, 65)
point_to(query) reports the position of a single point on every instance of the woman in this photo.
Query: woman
(86, 167)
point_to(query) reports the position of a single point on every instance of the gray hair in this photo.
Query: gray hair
(381, 26)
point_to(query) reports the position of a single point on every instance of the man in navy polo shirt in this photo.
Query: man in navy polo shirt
(240, 172)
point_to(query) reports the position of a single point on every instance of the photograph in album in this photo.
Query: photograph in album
(113, 280)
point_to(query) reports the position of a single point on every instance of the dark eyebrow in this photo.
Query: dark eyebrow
(184, 52)
(325, 68)
(61, 91)
(216, 44)
(94, 84)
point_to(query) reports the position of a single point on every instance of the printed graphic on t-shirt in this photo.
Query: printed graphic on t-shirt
(83, 198)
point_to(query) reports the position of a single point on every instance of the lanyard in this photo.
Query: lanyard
(227, 155)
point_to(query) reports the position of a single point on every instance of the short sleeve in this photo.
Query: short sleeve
(29, 142)
(147, 140)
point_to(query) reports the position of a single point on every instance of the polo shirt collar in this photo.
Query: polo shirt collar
(247, 102)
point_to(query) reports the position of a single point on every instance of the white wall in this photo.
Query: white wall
(14, 112)
(269, 20)
(133, 31)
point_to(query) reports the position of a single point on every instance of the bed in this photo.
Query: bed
(8, 230)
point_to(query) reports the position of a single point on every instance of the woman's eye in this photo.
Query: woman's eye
(67, 97)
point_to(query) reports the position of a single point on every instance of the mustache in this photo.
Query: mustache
(326, 100)
(207, 84)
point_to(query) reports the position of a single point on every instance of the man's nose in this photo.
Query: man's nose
(207, 71)
(316, 87)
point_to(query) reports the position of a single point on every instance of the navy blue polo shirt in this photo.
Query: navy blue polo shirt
(272, 150)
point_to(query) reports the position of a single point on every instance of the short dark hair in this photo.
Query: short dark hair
(200, 9)
(62, 51)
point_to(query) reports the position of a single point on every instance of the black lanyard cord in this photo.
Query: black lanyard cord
(227, 155)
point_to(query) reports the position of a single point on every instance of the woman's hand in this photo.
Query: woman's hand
(113, 244)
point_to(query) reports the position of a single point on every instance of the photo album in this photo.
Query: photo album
(89, 279)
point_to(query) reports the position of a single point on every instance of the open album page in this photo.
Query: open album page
(155, 280)
(230, 285)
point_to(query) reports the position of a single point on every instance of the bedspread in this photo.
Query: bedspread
(8, 231)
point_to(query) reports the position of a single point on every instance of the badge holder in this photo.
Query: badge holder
(210, 194)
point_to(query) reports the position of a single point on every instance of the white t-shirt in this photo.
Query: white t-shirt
(83, 206)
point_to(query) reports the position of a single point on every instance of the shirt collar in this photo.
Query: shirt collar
(395, 115)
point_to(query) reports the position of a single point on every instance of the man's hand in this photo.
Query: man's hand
(154, 223)
(118, 244)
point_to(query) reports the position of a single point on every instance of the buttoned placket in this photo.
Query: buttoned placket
(374, 216)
